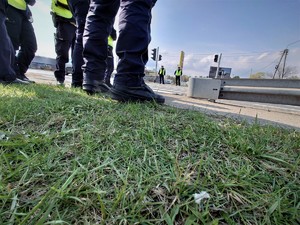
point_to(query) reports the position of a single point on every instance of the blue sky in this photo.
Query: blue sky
(250, 34)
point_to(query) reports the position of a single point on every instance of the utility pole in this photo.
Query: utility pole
(284, 54)
(218, 68)
(156, 60)
(284, 61)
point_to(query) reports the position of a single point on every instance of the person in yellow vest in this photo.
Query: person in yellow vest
(178, 74)
(7, 52)
(65, 25)
(22, 35)
(162, 73)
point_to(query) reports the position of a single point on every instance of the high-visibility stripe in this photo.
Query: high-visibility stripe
(57, 8)
(18, 4)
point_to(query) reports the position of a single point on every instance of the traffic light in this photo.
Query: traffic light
(216, 58)
(153, 54)
(159, 57)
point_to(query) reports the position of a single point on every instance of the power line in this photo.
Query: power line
(292, 43)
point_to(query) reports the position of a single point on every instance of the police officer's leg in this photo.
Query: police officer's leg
(65, 33)
(14, 29)
(79, 10)
(134, 37)
(98, 26)
(132, 49)
(6, 52)
(110, 65)
(28, 47)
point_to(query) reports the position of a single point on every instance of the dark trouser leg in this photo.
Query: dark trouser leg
(7, 53)
(132, 45)
(99, 22)
(14, 28)
(110, 65)
(28, 47)
(161, 79)
(65, 34)
(177, 80)
(80, 10)
(132, 49)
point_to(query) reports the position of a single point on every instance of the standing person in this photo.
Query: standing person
(79, 9)
(21, 32)
(65, 26)
(162, 73)
(7, 52)
(110, 56)
(132, 48)
(178, 74)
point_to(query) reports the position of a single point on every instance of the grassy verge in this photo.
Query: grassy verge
(69, 158)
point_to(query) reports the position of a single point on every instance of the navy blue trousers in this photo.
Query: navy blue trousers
(132, 45)
(7, 52)
(79, 8)
(23, 38)
(64, 41)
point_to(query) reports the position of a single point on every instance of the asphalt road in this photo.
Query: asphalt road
(285, 116)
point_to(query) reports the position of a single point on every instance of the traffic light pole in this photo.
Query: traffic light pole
(218, 68)
(156, 60)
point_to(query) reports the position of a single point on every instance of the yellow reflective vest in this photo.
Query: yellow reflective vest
(110, 41)
(162, 72)
(61, 8)
(178, 72)
(18, 4)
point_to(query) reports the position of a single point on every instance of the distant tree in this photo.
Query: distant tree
(259, 75)
(236, 77)
(295, 77)
(290, 71)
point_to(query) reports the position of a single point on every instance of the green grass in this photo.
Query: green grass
(70, 158)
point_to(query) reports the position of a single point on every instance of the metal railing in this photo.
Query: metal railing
(278, 91)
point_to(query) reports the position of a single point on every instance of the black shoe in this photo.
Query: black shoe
(24, 78)
(135, 94)
(94, 86)
(15, 81)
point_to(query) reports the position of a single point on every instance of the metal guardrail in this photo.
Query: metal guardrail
(276, 91)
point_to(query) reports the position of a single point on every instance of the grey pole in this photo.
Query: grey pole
(219, 62)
